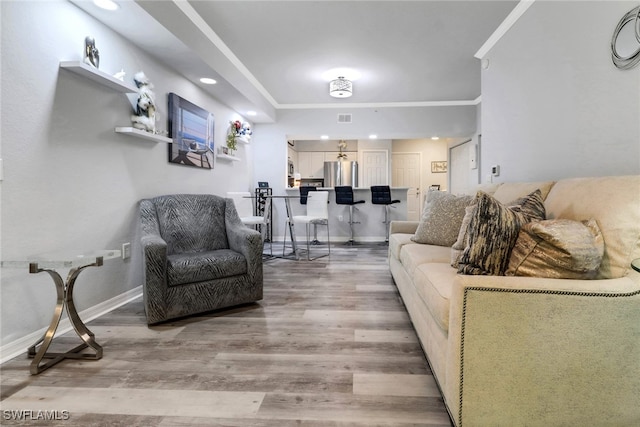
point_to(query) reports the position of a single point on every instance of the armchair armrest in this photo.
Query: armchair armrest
(552, 351)
(405, 227)
(154, 262)
(244, 240)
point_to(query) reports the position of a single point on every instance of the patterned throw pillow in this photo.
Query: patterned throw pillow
(441, 218)
(558, 248)
(493, 231)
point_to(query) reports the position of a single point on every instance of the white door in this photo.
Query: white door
(375, 166)
(406, 173)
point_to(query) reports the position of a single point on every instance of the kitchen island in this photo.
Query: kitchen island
(370, 216)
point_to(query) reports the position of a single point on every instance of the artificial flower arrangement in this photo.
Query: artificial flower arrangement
(237, 129)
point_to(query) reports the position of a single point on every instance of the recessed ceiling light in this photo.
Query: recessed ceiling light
(251, 113)
(106, 4)
(435, 138)
(324, 137)
(372, 136)
(208, 81)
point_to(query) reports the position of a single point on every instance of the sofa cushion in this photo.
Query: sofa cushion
(441, 218)
(493, 232)
(510, 191)
(614, 202)
(411, 256)
(433, 281)
(202, 266)
(557, 248)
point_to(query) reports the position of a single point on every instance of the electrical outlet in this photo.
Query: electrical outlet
(126, 250)
(340, 218)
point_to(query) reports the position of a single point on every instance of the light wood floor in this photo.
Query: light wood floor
(330, 345)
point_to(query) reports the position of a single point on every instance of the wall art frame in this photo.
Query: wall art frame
(439, 166)
(192, 130)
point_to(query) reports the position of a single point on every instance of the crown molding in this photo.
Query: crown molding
(508, 22)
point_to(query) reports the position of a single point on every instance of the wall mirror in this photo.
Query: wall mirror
(625, 42)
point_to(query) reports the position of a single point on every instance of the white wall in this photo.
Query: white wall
(553, 103)
(70, 182)
(431, 151)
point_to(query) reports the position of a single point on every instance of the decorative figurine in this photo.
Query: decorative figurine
(145, 117)
(91, 53)
(120, 75)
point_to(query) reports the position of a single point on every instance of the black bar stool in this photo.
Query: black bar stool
(344, 196)
(381, 195)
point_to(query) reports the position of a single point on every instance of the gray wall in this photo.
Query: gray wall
(553, 103)
(70, 182)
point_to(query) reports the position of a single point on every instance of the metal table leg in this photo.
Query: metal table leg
(64, 299)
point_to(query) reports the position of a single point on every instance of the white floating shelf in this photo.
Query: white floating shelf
(228, 157)
(243, 139)
(98, 76)
(143, 135)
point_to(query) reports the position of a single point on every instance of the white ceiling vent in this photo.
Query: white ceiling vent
(344, 118)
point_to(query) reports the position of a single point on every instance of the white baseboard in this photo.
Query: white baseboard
(19, 346)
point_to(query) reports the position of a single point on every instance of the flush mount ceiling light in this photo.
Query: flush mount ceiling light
(106, 4)
(340, 81)
(340, 88)
(208, 81)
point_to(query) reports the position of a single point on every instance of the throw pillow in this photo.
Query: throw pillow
(463, 234)
(559, 248)
(493, 231)
(441, 218)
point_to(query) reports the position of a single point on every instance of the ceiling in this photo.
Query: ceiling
(270, 55)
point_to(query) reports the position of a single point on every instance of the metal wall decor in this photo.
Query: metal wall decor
(625, 43)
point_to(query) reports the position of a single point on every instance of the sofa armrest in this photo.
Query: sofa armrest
(405, 227)
(551, 351)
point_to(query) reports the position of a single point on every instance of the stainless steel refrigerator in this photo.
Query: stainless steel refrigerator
(342, 172)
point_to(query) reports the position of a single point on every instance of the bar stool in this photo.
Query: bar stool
(317, 214)
(344, 196)
(304, 194)
(381, 195)
(243, 202)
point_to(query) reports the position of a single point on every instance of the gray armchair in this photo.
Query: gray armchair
(197, 256)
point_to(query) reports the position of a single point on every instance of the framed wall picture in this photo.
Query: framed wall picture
(191, 128)
(439, 166)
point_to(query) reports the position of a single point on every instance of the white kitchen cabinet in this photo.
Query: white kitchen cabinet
(311, 164)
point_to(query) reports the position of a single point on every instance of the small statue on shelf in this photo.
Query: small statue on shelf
(145, 117)
(91, 53)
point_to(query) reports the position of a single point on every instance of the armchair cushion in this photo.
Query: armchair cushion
(200, 266)
(191, 224)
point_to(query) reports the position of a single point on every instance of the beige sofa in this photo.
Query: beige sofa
(512, 351)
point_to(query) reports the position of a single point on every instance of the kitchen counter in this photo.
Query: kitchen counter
(370, 216)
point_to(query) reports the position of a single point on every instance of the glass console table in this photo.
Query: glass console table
(48, 263)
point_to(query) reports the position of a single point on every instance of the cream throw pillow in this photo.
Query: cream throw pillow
(559, 248)
(441, 218)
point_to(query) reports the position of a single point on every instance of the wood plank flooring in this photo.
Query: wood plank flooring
(329, 345)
